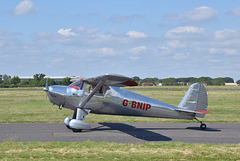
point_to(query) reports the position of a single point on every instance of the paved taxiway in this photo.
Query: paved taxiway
(216, 133)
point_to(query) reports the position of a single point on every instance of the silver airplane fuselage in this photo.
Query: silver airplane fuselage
(114, 101)
(104, 95)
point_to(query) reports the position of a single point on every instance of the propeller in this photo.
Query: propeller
(46, 86)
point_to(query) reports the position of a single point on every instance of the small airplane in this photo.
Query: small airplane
(104, 95)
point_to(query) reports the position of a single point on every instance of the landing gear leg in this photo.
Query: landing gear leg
(202, 126)
(77, 123)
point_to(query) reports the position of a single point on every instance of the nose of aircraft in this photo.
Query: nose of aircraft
(57, 89)
(57, 94)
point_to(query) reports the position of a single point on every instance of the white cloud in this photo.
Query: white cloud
(181, 56)
(176, 44)
(66, 32)
(107, 51)
(25, 7)
(164, 50)
(134, 57)
(135, 34)
(57, 60)
(223, 51)
(87, 37)
(138, 49)
(200, 14)
(92, 53)
(235, 12)
(185, 32)
(226, 34)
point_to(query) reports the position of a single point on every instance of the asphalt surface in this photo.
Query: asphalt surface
(216, 133)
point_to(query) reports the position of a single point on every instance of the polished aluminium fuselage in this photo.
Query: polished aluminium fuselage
(114, 101)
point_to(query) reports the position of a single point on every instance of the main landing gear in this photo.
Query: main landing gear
(76, 123)
(202, 126)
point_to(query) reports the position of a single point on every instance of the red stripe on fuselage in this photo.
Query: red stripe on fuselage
(203, 112)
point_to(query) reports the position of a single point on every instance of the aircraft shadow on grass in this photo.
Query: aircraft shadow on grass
(140, 133)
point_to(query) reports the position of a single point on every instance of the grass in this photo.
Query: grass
(34, 107)
(23, 88)
(117, 151)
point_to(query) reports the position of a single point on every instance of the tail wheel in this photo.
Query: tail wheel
(203, 126)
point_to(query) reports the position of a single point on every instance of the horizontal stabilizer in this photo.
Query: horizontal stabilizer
(112, 80)
(199, 113)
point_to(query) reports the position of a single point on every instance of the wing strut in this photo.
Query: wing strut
(85, 101)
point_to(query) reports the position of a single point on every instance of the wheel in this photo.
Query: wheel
(77, 130)
(203, 126)
(68, 127)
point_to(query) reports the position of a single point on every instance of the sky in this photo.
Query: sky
(145, 38)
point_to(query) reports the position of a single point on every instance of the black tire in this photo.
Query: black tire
(68, 127)
(77, 130)
(203, 126)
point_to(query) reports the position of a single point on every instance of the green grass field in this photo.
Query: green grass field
(34, 107)
(116, 151)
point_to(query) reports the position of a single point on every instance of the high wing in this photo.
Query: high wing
(112, 80)
(106, 80)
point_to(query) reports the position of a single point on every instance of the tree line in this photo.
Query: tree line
(39, 80)
(185, 81)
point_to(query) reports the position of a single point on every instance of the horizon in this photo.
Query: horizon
(124, 75)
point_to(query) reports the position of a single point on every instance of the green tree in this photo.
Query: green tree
(1, 79)
(218, 82)
(238, 82)
(136, 78)
(6, 83)
(39, 76)
(15, 80)
(66, 81)
(205, 80)
(169, 81)
(33, 83)
(51, 82)
(6, 78)
(24, 83)
(228, 80)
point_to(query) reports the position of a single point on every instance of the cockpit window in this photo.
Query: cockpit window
(78, 85)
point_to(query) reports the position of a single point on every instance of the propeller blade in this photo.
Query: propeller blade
(46, 86)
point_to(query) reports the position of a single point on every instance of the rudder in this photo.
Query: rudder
(195, 99)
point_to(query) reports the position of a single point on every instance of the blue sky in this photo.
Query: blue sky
(145, 38)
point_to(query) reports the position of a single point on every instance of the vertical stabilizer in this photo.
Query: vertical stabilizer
(195, 99)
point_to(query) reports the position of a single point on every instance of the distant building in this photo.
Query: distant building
(147, 84)
(181, 83)
(231, 84)
(158, 84)
(23, 78)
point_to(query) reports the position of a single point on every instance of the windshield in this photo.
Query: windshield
(78, 85)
